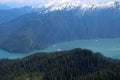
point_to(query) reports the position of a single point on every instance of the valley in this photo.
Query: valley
(59, 40)
(38, 28)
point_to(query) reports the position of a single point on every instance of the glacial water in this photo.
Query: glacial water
(108, 47)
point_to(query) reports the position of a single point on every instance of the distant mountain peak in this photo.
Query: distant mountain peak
(2, 6)
(70, 4)
(59, 5)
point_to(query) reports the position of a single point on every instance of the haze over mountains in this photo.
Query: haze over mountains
(36, 28)
(2, 6)
(12, 13)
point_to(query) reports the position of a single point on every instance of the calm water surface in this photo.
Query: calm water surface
(108, 47)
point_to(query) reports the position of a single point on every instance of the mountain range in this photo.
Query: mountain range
(2, 6)
(30, 28)
(37, 28)
(7, 15)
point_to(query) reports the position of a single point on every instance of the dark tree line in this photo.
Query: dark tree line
(76, 64)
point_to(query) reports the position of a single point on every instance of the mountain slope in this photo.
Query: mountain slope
(2, 6)
(38, 30)
(12, 13)
(76, 64)
(35, 31)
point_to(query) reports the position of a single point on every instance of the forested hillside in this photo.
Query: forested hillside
(76, 64)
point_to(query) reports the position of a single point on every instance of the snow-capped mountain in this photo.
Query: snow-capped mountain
(70, 4)
(64, 21)
(65, 5)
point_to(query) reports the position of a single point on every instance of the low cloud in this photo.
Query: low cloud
(32, 2)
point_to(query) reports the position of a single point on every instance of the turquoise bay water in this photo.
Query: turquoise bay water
(108, 47)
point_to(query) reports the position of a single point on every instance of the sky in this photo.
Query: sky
(39, 2)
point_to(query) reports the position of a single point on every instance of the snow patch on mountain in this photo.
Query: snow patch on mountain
(70, 4)
(59, 5)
